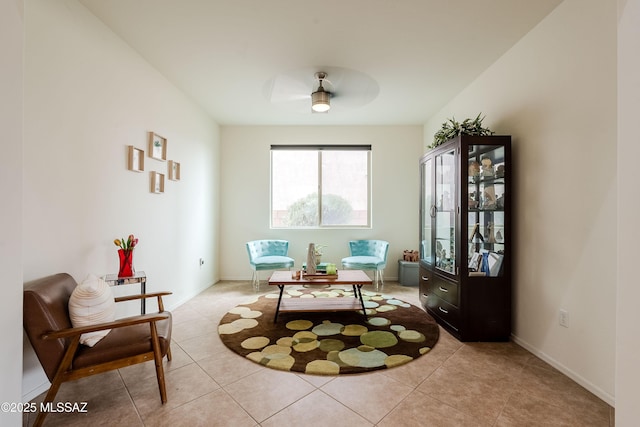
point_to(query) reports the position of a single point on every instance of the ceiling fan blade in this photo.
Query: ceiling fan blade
(353, 89)
(283, 88)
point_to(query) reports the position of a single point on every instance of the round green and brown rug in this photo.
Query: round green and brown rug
(329, 343)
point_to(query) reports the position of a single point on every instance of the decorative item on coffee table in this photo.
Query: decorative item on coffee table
(314, 269)
(318, 252)
(325, 270)
(311, 260)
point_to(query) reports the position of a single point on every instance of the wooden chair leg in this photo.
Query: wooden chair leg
(157, 355)
(169, 354)
(51, 394)
(39, 419)
(58, 379)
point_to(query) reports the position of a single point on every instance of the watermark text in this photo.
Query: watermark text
(21, 407)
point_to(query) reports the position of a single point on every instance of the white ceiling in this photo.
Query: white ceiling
(224, 53)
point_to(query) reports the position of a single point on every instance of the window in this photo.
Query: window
(320, 186)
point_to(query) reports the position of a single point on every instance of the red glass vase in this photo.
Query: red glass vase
(126, 263)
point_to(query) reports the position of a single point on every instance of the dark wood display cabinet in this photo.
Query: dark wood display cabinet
(465, 236)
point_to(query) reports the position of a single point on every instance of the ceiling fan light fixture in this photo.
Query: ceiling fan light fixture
(320, 99)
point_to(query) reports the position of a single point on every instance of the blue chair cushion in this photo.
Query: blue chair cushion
(363, 262)
(271, 262)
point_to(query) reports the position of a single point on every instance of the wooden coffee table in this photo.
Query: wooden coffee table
(355, 278)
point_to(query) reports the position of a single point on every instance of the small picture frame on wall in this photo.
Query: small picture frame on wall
(135, 159)
(174, 170)
(157, 147)
(157, 182)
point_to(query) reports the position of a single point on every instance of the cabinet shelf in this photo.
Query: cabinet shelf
(485, 210)
(486, 180)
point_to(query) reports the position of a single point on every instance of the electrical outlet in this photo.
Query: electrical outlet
(564, 318)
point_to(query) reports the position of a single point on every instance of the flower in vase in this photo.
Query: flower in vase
(318, 249)
(318, 253)
(127, 244)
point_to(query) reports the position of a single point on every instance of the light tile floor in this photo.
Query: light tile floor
(456, 384)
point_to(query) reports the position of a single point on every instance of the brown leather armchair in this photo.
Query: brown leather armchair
(56, 342)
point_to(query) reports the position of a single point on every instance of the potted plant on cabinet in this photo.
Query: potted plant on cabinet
(452, 128)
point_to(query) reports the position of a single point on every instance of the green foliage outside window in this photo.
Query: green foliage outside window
(336, 210)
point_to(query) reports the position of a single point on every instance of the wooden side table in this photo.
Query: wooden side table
(138, 278)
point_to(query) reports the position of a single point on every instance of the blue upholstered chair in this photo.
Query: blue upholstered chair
(368, 255)
(267, 255)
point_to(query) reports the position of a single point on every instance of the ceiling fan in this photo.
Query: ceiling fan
(320, 99)
(325, 87)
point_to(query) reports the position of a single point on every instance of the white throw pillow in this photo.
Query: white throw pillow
(91, 303)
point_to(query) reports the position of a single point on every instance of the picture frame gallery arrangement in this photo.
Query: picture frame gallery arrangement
(157, 150)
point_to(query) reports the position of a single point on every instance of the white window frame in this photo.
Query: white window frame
(319, 149)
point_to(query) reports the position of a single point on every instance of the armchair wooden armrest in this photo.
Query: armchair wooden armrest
(159, 295)
(119, 323)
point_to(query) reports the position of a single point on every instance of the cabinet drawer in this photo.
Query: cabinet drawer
(447, 291)
(444, 311)
(424, 279)
(424, 276)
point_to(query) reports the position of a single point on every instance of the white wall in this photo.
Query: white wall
(628, 319)
(87, 96)
(555, 92)
(246, 198)
(11, 39)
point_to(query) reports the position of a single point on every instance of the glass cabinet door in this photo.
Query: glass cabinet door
(444, 213)
(426, 211)
(486, 218)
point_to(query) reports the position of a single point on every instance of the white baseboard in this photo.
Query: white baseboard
(608, 398)
(36, 392)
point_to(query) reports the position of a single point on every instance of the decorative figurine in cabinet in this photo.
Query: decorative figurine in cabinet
(465, 236)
